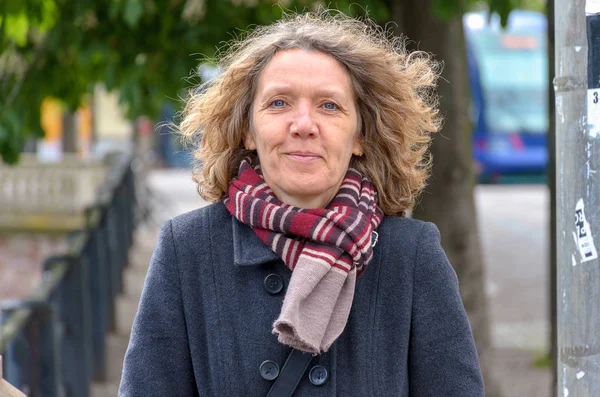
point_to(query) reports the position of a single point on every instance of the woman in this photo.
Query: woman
(313, 147)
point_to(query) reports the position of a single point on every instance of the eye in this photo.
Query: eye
(277, 103)
(329, 106)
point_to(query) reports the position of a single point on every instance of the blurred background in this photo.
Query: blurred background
(90, 170)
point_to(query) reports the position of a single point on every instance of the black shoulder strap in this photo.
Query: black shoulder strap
(291, 373)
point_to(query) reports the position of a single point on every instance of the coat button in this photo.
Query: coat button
(269, 370)
(273, 283)
(318, 375)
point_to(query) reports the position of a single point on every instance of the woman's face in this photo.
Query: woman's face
(304, 126)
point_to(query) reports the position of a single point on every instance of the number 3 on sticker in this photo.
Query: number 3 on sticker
(593, 112)
(593, 96)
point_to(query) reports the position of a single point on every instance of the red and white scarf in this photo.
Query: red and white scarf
(324, 247)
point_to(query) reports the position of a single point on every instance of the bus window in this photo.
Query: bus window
(513, 73)
(509, 85)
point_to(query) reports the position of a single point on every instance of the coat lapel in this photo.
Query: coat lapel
(248, 249)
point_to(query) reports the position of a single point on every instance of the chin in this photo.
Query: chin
(308, 190)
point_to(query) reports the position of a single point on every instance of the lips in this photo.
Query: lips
(303, 156)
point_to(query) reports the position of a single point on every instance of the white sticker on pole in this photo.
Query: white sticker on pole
(585, 241)
(593, 112)
(592, 6)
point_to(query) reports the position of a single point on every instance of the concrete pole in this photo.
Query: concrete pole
(552, 244)
(577, 87)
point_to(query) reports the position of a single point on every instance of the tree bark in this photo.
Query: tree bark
(448, 200)
(69, 133)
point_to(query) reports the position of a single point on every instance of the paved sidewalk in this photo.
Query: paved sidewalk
(126, 306)
(174, 193)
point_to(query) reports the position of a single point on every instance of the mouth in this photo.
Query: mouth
(303, 156)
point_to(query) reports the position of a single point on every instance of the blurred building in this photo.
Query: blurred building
(112, 129)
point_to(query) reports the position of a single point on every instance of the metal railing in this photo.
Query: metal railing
(53, 344)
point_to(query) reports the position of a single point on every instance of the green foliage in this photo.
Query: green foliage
(145, 49)
(447, 8)
(133, 12)
(503, 8)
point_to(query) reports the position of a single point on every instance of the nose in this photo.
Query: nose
(303, 124)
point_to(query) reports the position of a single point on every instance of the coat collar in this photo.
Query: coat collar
(248, 249)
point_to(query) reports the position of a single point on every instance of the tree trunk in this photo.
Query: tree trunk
(448, 200)
(69, 133)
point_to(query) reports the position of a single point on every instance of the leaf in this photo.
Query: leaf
(502, 8)
(16, 28)
(133, 12)
(446, 9)
(9, 156)
(49, 15)
(114, 9)
(10, 139)
(110, 77)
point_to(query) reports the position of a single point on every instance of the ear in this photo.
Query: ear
(249, 142)
(357, 148)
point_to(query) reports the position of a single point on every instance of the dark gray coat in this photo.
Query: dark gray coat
(204, 322)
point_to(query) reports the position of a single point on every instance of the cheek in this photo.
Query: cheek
(267, 136)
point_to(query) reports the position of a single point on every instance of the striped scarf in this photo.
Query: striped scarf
(326, 248)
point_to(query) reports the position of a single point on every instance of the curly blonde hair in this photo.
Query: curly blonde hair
(395, 101)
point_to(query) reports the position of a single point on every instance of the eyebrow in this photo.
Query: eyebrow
(284, 88)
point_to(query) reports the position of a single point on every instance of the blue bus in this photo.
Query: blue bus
(508, 76)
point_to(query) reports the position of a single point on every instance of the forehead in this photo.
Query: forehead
(305, 69)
